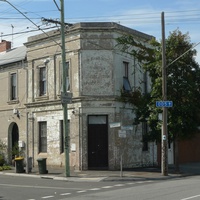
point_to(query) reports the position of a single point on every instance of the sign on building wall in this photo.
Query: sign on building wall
(127, 128)
(115, 124)
(122, 133)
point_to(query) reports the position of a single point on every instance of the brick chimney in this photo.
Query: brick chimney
(5, 45)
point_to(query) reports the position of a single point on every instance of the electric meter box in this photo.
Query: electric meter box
(21, 144)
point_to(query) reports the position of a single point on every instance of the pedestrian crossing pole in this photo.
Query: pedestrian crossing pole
(64, 90)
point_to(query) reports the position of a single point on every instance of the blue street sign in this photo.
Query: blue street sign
(164, 104)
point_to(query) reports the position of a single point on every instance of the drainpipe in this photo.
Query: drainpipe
(32, 127)
(27, 144)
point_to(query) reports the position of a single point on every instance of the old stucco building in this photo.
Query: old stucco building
(97, 73)
(13, 81)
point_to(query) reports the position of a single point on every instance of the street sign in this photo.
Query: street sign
(66, 97)
(127, 128)
(122, 133)
(115, 124)
(164, 104)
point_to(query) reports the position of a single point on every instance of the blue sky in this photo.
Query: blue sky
(143, 15)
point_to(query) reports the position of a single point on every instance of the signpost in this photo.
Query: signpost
(164, 159)
(166, 104)
(66, 97)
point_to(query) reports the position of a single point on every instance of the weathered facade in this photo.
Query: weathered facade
(97, 73)
(13, 81)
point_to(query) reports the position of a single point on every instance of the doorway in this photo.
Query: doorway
(13, 139)
(98, 142)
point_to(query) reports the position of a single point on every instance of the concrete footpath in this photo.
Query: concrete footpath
(136, 174)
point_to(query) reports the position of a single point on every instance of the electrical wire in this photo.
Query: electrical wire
(31, 21)
(17, 33)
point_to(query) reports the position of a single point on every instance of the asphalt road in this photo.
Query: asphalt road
(27, 188)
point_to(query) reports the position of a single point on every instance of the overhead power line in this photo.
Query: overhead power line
(30, 21)
(22, 32)
(55, 21)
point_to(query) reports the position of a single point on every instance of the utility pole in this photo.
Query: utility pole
(64, 90)
(164, 147)
(65, 96)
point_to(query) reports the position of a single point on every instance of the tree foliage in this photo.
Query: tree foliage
(183, 84)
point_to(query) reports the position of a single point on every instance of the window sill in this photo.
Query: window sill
(44, 154)
(10, 102)
(42, 98)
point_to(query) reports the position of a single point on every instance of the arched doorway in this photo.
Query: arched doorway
(13, 139)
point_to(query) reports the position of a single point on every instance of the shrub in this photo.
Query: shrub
(6, 167)
(2, 161)
(3, 149)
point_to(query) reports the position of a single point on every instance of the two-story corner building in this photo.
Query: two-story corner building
(13, 81)
(100, 127)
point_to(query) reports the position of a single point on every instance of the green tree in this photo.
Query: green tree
(183, 86)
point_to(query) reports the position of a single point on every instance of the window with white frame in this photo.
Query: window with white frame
(126, 83)
(42, 137)
(42, 81)
(13, 86)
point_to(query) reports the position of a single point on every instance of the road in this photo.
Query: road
(27, 188)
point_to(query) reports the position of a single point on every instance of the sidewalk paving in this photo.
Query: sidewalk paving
(151, 173)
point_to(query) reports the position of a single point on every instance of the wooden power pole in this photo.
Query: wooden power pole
(164, 147)
(64, 90)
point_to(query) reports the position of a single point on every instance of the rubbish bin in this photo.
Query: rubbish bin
(19, 165)
(42, 166)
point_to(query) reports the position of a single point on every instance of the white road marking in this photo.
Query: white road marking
(119, 185)
(65, 194)
(40, 187)
(106, 187)
(192, 197)
(94, 189)
(81, 191)
(130, 183)
(47, 197)
(149, 181)
(140, 182)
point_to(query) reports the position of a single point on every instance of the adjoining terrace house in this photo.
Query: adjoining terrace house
(13, 82)
(97, 73)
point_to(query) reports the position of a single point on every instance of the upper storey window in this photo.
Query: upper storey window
(43, 81)
(126, 83)
(13, 86)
